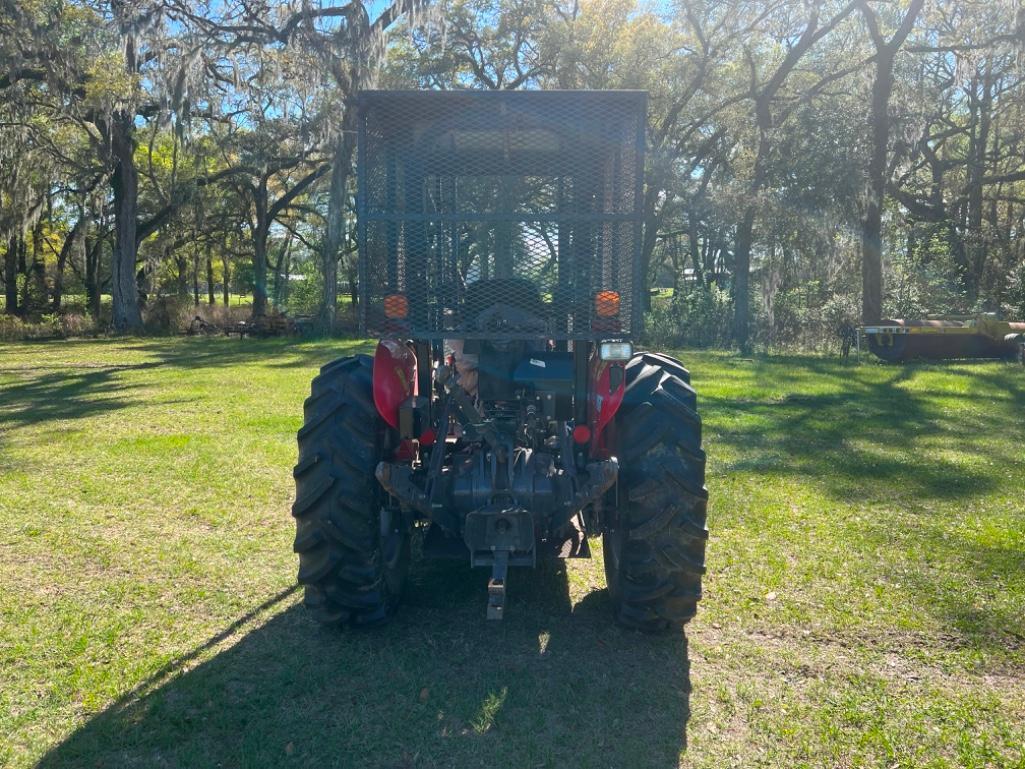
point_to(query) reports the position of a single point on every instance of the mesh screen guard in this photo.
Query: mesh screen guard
(529, 201)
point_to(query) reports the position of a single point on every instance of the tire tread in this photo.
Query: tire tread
(337, 540)
(663, 507)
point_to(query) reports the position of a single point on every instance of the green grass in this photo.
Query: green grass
(236, 300)
(864, 600)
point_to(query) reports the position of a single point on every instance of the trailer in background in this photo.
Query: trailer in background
(982, 336)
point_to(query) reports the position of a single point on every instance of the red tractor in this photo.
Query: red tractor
(505, 416)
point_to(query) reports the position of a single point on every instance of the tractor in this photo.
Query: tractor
(506, 417)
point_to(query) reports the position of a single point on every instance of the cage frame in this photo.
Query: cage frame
(632, 103)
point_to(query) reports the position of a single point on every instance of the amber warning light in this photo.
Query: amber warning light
(396, 306)
(606, 304)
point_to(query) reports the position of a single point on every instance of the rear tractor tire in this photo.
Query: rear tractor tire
(654, 544)
(353, 552)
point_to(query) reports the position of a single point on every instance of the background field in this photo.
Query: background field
(864, 603)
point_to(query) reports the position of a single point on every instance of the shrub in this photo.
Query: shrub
(76, 324)
(1014, 297)
(699, 317)
(304, 295)
(174, 314)
(165, 314)
(50, 326)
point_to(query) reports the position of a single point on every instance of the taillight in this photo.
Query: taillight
(581, 434)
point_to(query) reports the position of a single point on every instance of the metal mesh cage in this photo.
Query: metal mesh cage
(529, 200)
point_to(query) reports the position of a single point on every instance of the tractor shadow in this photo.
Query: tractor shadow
(553, 685)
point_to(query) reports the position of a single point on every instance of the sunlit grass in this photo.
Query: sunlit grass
(864, 602)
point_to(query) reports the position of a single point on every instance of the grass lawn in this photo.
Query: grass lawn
(864, 605)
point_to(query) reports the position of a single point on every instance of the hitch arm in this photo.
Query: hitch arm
(496, 585)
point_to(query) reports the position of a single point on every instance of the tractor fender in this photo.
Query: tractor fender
(608, 384)
(394, 378)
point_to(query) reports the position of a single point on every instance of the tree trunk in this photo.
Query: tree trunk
(678, 267)
(127, 317)
(58, 282)
(62, 260)
(259, 272)
(872, 224)
(745, 233)
(35, 283)
(741, 280)
(763, 98)
(341, 168)
(692, 245)
(210, 296)
(982, 109)
(23, 303)
(286, 272)
(352, 278)
(195, 276)
(92, 276)
(182, 282)
(260, 233)
(649, 239)
(227, 274)
(11, 276)
(279, 268)
(708, 266)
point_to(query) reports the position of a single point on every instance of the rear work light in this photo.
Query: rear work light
(610, 351)
(606, 304)
(396, 306)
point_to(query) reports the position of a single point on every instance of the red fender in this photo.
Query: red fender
(394, 378)
(608, 384)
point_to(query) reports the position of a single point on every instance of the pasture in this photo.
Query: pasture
(864, 602)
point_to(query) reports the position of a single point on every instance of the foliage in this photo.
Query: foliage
(761, 167)
(1014, 299)
(697, 317)
(305, 292)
